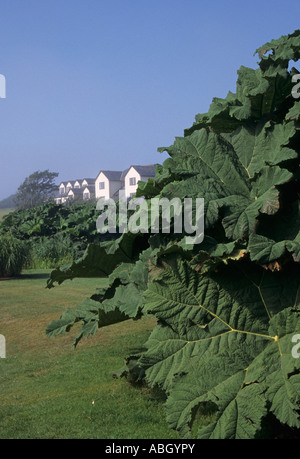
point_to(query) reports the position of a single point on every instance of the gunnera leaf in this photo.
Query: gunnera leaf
(121, 300)
(238, 175)
(227, 309)
(238, 310)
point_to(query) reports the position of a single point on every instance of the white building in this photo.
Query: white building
(133, 175)
(81, 189)
(107, 184)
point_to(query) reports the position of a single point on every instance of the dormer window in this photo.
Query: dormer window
(132, 181)
(69, 187)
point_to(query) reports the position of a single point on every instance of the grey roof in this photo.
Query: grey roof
(112, 175)
(90, 181)
(76, 191)
(144, 171)
(69, 181)
(89, 187)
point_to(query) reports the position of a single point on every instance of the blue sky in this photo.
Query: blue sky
(99, 84)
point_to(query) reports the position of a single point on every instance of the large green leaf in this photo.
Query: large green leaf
(238, 176)
(100, 260)
(121, 300)
(242, 309)
(264, 250)
(259, 92)
(242, 385)
(219, 379)
(284, 49)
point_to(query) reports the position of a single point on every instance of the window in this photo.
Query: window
(101, 185)
(132, 181)
(86, 196)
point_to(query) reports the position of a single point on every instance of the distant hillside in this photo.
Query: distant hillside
(8, 203)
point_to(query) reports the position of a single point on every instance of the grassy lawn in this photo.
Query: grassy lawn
(48, 390)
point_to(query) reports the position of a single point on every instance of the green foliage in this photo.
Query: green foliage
(78, 220)
(13, 256)
(232, 327)
(36, 189)
(48, 252)
(227, 308)
(4, 212)
(56, 234)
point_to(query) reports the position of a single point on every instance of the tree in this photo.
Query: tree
(36, 189)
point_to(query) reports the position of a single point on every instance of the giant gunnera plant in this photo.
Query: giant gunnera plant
(227, 334)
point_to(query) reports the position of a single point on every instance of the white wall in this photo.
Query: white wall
(69, 187)
(86, 190)
(102, 193)
(110, 187)
(62, 189)
(130, 189)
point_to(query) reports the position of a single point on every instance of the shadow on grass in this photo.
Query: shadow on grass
(37, 276)
(27, 276)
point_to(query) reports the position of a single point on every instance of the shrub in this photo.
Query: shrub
(48, 252)
(13, 256)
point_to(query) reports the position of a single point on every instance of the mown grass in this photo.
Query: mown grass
(48, 390)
